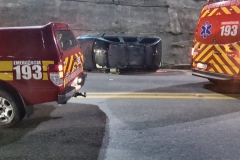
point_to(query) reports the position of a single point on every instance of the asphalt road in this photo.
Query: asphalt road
(157, 116)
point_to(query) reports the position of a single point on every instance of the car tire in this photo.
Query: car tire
(11, 112)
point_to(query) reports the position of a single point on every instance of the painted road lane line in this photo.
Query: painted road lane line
(161, 95)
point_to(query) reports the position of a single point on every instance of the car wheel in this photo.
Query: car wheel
(10, 113)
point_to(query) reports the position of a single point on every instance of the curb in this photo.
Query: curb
(176, 66)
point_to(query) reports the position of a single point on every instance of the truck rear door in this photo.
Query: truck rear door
(72, 56)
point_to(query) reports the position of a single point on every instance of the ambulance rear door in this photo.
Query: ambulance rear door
(217, 38)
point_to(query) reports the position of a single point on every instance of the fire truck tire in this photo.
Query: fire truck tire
(10, 112)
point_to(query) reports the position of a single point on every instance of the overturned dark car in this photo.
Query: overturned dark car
(121, 52)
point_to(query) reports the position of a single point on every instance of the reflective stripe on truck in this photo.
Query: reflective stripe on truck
(24, 70)
(220, 58)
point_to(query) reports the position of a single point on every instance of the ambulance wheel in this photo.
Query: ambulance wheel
(10, 112)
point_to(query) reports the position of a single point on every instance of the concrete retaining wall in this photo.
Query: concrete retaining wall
(172, 20)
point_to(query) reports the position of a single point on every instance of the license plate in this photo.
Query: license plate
(201, 65)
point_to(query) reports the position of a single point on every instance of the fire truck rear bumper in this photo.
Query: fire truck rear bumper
(212, 75)
(72, 90)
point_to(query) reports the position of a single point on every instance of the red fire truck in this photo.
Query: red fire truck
(38, 64)
(216, 49)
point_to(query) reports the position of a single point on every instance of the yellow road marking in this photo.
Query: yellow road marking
(150, 93)
(161, 95)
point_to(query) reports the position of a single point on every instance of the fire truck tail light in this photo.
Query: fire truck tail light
(55, 67)
(56, 74)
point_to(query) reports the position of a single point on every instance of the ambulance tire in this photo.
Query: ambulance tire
(10, 112)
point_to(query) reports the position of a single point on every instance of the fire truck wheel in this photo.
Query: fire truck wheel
(10, 113)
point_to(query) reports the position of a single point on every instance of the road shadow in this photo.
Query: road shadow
(175, 111)
(227, 89)
(71, 131)
(13, 134)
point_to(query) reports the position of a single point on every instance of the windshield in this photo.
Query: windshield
(66, 39)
